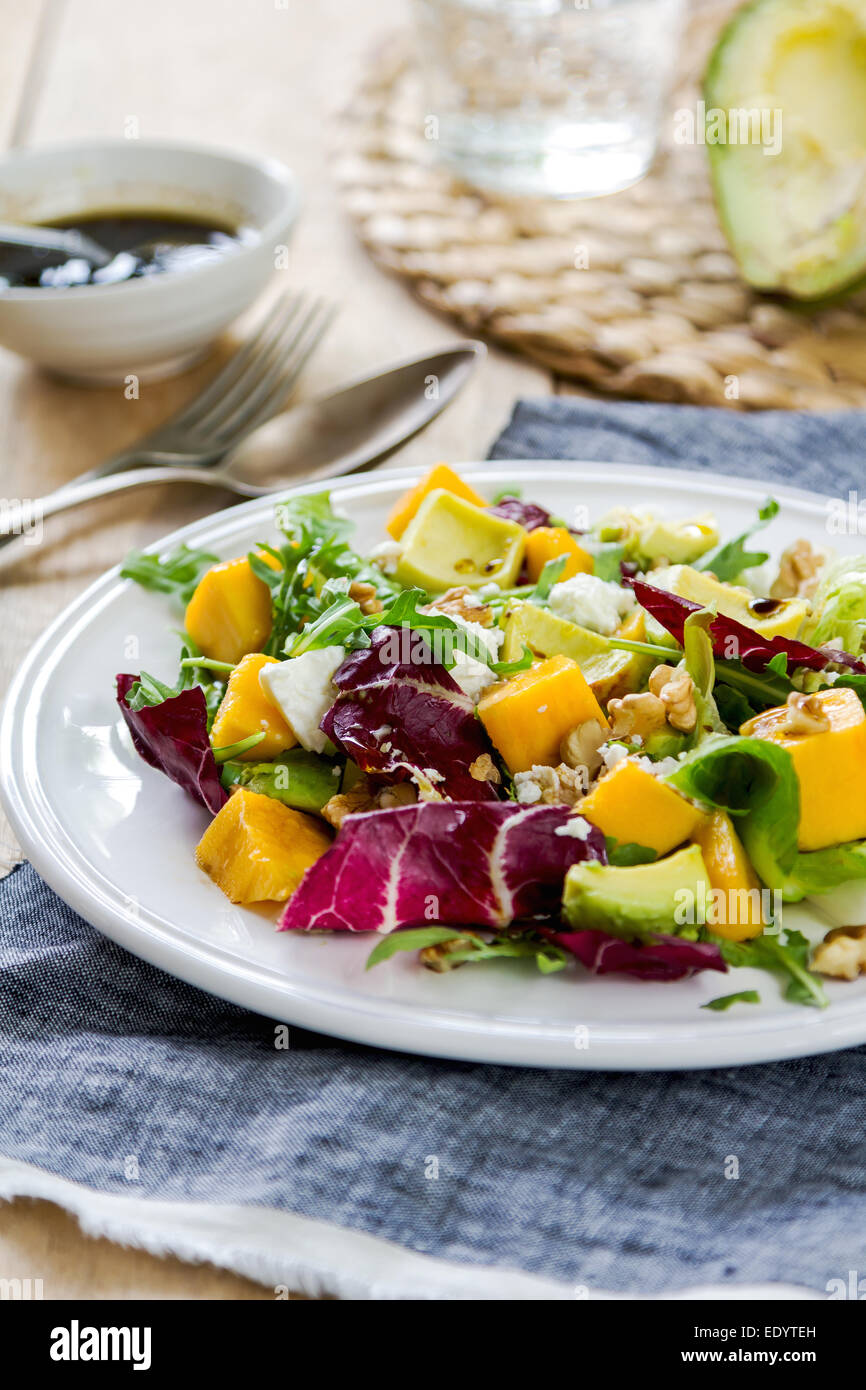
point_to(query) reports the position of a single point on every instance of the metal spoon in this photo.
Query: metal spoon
(54, 239)
(325, 437)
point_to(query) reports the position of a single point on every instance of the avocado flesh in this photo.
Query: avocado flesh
(302, 780)
(450, 542)
(796, 219)
(781, 618)
(637, 901)
(608, 671)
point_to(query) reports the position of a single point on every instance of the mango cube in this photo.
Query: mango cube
(258, 850)
(229, 613)
(548, 543)
(441, 476)
(637, 808)
(528, 716)
(246, 709)
(452, 542)
(730, 871)
(830, 767)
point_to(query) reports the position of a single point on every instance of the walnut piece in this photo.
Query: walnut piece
(363, 797)
(581, 746)
(551, 786)
(365, 596)
(805, 715)
(676, 690)
(798, 571)
(436, 957)
(460, 602)
(842, 953)
(484, 769)
(636, 716)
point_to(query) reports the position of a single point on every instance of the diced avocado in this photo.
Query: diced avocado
(609, 672)
(771, 617)
(547, 635)
(639, 900)
(785, 95)
(678, 542)
(299, 779)
(450, 541)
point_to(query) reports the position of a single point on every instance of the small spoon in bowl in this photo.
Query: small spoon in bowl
(72, 244)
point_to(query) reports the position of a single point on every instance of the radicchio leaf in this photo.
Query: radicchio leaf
(731, 638)
(455, 863)
(663, 958)
(527, 514)
(172, 736)
(399, 714)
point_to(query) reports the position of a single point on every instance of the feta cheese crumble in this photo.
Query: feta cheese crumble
(591, 602)
(303, 690)
(472, 676)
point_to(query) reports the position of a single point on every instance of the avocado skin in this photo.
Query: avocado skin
(635, 902)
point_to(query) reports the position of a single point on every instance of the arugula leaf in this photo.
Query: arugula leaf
(547, 956)
(729, 560)
(625, 855)
(745, 996)
(177, 573)
(512, 668)
(791, 957)
(549, 576)
(607, 557)
(147, 690)
(734, 709)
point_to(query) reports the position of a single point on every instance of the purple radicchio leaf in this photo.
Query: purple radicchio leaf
(731, 638)
(460, 863)
(172, 736)
(662, 958)
(399, 714)
(527, 514)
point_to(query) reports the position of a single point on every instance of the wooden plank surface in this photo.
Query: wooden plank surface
(254, 75)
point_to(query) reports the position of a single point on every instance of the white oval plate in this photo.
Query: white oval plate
(115, 838)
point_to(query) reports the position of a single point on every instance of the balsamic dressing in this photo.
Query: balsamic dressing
(140, 243)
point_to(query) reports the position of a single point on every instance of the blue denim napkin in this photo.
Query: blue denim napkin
(123, 1079)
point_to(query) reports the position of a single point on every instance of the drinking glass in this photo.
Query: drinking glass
(552, 98)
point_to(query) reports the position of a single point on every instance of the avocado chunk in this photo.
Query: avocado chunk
(771, 617)
(547, 635)
(608, 671)
(785, 94)
(304, 781)
(637, 901)
(450, 541)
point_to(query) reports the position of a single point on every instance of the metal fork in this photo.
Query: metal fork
(247, 391)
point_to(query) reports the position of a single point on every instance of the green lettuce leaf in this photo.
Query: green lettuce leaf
(755, 782)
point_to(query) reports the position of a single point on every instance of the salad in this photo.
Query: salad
(499, 736)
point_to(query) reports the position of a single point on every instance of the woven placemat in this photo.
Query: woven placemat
(659, 312)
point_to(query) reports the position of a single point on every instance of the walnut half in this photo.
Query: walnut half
(806, 715)
(842, 953)
(676, 690)
(798, 571)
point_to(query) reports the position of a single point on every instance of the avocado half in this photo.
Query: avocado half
(795, 219)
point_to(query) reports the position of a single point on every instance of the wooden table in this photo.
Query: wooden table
(259, 75)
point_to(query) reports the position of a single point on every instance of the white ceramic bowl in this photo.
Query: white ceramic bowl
(156, 324)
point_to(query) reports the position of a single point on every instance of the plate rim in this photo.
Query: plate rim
(355, 1017)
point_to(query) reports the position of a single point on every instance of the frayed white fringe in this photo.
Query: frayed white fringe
(287, 1252)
